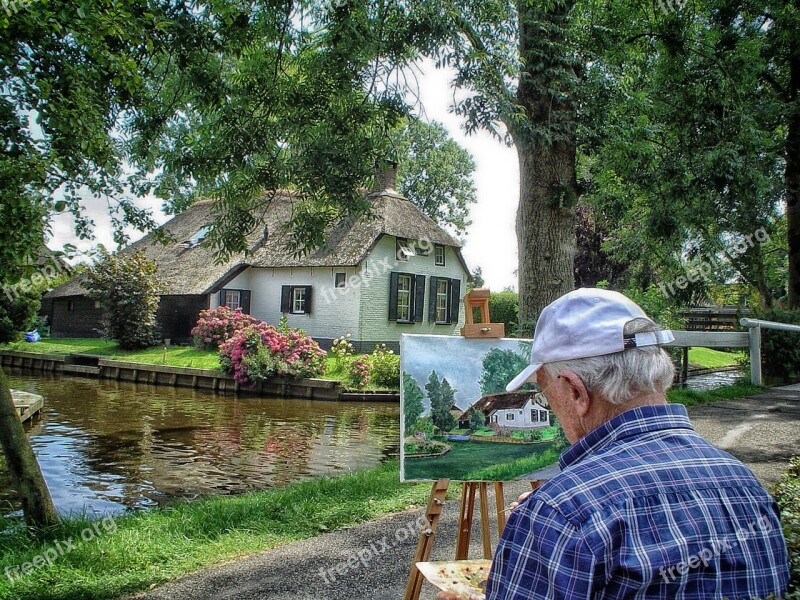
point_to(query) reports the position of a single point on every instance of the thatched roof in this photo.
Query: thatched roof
(191, 270)
(503, 401)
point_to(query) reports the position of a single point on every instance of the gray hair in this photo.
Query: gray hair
(618, 377)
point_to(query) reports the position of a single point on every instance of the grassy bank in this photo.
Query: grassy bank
(173, 356)
(714, 359)
(689, 397)
(787, 493)
(135, 551)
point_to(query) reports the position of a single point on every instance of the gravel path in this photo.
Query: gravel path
(371, 561)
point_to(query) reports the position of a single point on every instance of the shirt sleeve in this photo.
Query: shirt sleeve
(540, 555)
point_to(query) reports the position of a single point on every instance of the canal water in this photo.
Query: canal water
(106, 446)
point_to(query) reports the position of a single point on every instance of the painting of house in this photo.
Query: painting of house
(457, 420)
(375, 278)
(517, 410)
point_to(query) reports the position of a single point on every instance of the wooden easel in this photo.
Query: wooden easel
(476, 299)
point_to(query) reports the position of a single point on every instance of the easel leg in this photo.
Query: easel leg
(501, 511)
(483, 487)
(426, 537)
(465, 519)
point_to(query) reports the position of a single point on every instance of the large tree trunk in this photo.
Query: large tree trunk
(546, 146)
(792, 183)
(37, 505)
(545, 233)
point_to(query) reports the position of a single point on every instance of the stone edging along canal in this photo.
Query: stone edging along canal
(88, 365)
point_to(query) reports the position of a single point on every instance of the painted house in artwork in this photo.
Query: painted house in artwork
(376, 278)
(517, 410)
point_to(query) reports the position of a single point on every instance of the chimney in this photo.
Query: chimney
(385, 176)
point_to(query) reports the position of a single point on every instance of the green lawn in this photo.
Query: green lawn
(713, 359)
(173, 356)
(689, 397)
(136, 551)
(471, 457)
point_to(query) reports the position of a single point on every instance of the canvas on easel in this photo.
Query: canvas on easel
(459, 423)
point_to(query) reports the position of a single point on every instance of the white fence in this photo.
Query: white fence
(734, 339)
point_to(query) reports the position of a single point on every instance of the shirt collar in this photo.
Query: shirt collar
(642, 419)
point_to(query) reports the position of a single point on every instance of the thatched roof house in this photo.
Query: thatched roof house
(512, 409)
(373, 279)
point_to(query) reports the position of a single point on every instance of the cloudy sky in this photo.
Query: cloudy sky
(491, 240)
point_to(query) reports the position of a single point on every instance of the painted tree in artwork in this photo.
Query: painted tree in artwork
(499, 368)
(412, 403)
(441, 396)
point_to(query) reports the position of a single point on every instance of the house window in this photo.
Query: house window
(296, 299)
(404, 298)
(444, 300)
(403, 249)
(543, 416)
(299, 300)
(233, 299)
(534, 415)
(70, 305)
(494, 418)
(509, 416)
(340, 280)
(438, 255)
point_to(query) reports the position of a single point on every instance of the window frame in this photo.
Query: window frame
(298, 297)
(288, 299)
(446, 296)
(437, 260)
(408, 292)
(336, 280)
(238, 299)
(509, 416)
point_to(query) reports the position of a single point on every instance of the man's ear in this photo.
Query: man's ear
(578, 393)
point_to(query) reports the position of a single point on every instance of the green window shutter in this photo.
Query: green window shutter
(419, 298)
(286, 298)
(308, 300)
(245, 301)
(222, 297)
(393, 296)
(432, 299)
(455, 299)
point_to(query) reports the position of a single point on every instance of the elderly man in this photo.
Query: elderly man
(643, 506)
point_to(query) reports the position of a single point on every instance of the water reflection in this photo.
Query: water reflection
(105, 445)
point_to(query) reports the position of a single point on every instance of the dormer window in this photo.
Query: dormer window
(197, 238)
(403, 249)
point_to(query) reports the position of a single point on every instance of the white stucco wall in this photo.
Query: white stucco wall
(522, 417)
(362, 307)
(374, 323)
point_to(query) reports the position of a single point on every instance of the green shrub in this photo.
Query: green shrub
(385, 367)
(17, 316)
(780, 350)
(787, 493)
(504, 308)
(341, 351)
(127, 288)
(358, 375)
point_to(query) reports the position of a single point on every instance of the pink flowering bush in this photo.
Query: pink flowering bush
(262, 351)
(215, 326)
(359, 372)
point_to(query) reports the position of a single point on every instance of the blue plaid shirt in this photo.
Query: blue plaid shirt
(643, 508)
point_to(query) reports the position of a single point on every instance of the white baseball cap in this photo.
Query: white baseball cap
(583, 323)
